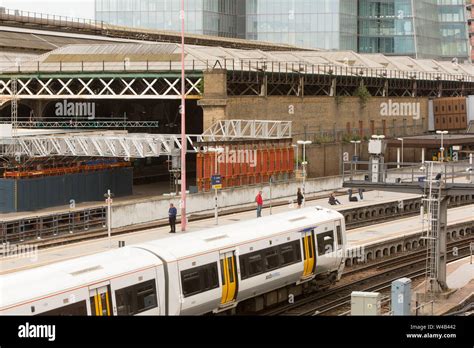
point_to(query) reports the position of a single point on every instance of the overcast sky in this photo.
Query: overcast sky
(70, 8)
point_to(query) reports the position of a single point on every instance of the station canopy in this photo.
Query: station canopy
(141, 57)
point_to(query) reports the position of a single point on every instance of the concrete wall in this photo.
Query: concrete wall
(142, 211)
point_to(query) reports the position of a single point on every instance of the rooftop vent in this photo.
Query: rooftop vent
(85, 270)
(212, 239)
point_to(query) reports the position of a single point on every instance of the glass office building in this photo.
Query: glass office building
(208, 17)
(454, 31)
(328, 24)
(417, 28)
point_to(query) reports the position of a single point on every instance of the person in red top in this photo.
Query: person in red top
(259, 201)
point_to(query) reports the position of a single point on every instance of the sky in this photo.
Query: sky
(70, 8)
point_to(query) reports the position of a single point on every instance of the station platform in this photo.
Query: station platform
(460, 280)
(365, 236)
(54, 254)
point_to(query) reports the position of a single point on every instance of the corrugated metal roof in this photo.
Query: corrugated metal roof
(165, 57)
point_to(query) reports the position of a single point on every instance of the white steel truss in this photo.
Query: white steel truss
(226, 130)
(106, 144)
(128, 87)
(85, 124)
(121, 144)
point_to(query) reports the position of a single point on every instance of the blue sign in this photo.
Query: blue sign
(216, 181)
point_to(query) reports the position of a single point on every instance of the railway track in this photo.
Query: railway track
(374, 277)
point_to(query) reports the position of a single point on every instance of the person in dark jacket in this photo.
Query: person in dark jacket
(333, 200)
(299, 198)
(172, 212)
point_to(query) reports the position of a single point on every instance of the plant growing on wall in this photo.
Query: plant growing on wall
(364, 95)
(338, 99)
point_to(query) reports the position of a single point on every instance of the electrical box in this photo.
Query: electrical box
(377, 147)
(6, 130)
(401, 297)
(366, 303)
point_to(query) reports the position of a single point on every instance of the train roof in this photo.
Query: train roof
(22, 286)
(185, 245)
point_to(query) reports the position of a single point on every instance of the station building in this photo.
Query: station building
(78, 75)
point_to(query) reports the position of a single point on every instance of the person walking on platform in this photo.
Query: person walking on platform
(299, 198)
(172, 212)
(259, 201)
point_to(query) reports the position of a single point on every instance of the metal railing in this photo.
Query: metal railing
(401, 173)
(234, 65)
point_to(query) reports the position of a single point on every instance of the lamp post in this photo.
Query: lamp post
(400, 139)
(297, 156)
(217, 150)
(183, 126)
(355, 142)
(442, 133)
(304, 163)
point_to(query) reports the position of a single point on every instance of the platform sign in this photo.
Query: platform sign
(216, 182)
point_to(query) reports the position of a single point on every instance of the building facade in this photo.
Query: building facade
(418, 28)
(208, 17)
(327, 24)
(470, 25)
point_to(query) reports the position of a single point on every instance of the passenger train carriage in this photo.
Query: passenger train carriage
(254, 263)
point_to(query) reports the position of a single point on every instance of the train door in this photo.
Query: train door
(229, 278)
(101, 301)
(309, 255)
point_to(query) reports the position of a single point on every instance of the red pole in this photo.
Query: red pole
(183, 127)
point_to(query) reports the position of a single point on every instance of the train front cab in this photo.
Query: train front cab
(322, 248)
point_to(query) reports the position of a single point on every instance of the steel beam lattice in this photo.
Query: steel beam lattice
(101, 87)
(248, 129)
(96, 145)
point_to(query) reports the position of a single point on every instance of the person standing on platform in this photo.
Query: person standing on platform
(172, 212)
(299, 198)
(259, 201)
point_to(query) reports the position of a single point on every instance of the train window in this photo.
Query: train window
(74, 309)
(136, 298)
(222, 273)
(325, 243)
(255, 264)
(272, 260)
(230, 269)
(146, 296)
(339, 235)
(290, 253)
(269, 259)
(199, 279)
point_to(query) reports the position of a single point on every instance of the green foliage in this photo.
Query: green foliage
(347, 138)
(364, 95)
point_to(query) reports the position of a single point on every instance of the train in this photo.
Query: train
(246, 266)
